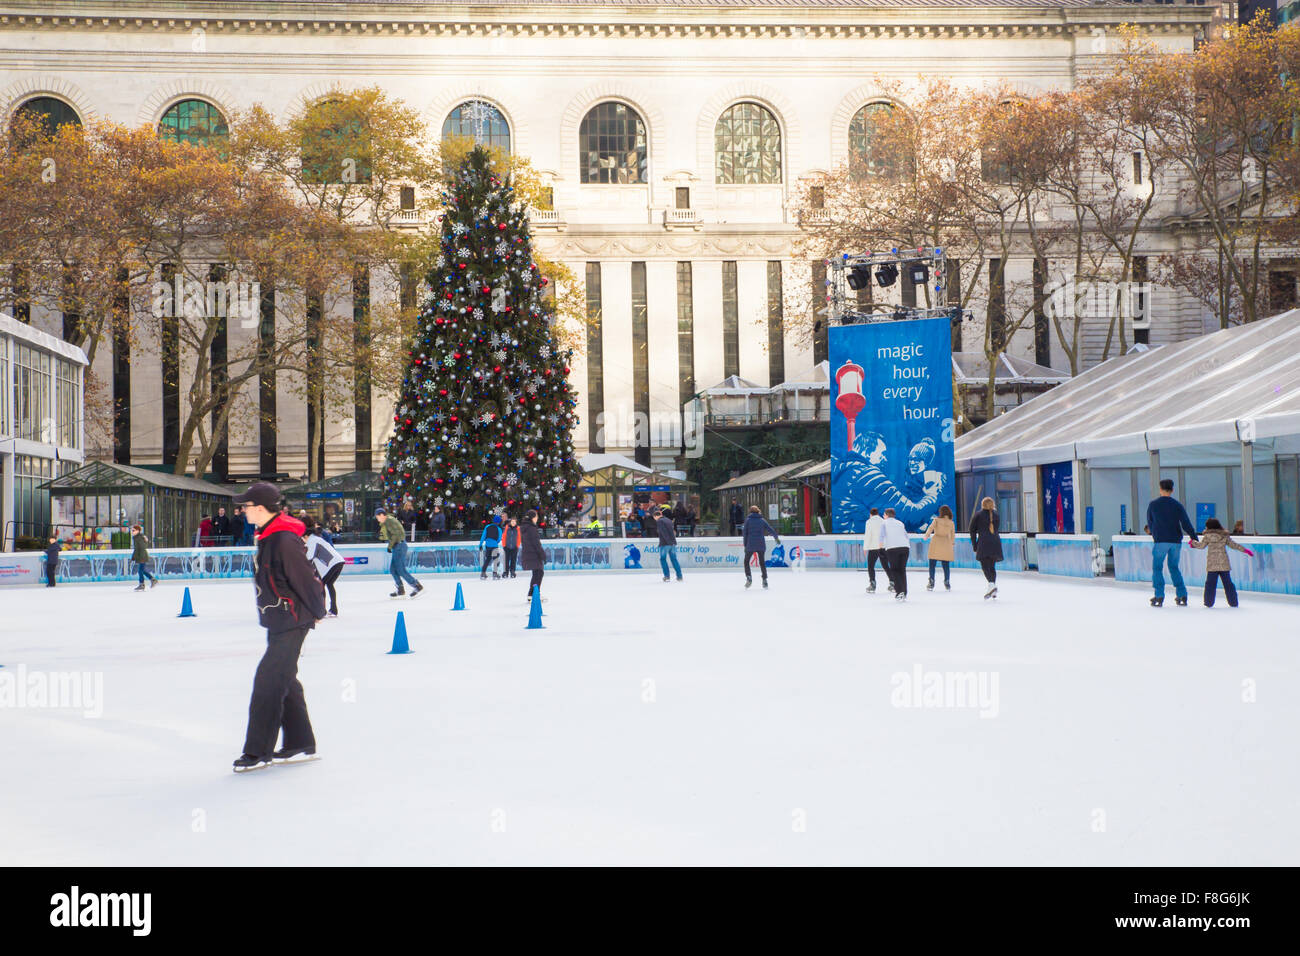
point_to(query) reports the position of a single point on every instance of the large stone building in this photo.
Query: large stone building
(674, 134)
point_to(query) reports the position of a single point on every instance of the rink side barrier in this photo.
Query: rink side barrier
(569, 554)
(1275, 568)
(1073, 555)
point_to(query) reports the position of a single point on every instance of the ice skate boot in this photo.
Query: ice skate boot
(247, 762)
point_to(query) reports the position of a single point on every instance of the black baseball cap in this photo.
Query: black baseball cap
(261, 493)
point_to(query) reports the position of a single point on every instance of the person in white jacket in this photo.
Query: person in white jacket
(872, 549)
(898, 548)
(328, 563)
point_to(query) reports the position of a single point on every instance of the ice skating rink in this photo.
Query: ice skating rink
(652, 723)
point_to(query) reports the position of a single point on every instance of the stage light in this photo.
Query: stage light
(886, 274)
(918, 272)
(859, 277)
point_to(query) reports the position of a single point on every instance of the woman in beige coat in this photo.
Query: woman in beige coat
(942, 535)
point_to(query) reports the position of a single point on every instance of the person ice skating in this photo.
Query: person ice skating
(488, 541)
(754, 532)
(437, 524)
(205, 532)
(737, 515)
(898, 548)
(667, 544)
(140, 555)
(290, 600)
(328, 562)
(532, 557)
(987, 544)
(391, 530)
(510, 540)
(51, 561)
(872, 549)
(221, 529)
(1167, 519)
(942, 535)
(1216, 543)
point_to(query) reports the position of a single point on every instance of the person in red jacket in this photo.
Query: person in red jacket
(205, 532)
(290, 600)
(510, 541)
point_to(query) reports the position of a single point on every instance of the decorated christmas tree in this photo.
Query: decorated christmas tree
(484, 422)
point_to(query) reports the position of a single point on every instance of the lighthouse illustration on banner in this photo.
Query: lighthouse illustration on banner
(850, 401)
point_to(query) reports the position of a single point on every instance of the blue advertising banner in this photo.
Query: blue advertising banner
(891, 422)
(1058, 498)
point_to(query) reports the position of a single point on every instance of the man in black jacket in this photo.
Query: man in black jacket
(667, 544)
(290, 600)
(51, 561)
(737, 516)
(221, 529)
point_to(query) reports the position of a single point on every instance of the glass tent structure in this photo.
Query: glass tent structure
(1219, 414)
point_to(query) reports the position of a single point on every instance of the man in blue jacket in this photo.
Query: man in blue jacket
(754, 531)
(1167, 520)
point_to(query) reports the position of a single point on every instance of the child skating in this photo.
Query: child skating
(1216, 542)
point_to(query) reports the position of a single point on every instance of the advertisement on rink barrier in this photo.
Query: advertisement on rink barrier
(892, 429)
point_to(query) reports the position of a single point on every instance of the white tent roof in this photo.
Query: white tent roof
(972, 368)
(595, 462)
(1230, 385)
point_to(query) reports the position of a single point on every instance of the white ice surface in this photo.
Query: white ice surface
(1121, 735)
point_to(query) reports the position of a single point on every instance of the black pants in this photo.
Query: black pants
(512, 555)
(762, 564)
(278, 700)
(51, 572)
(331, 576)
(990, 568)
(874, 555)
(1211, 587)
(489, 553)
(896, 568)
(535, 581)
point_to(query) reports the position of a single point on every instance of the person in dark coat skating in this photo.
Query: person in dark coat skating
(754, 532)
(51, 561)
(987, 544)
(531, 555)
(140, 555)
(1167, 520)
(667, 544)
(290, 600)
(221, 529)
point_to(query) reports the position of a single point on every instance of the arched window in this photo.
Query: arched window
(193, 121)
(612, 145)
(862, 136)
(482, 121)
(748, 145)
(995, 164)
(51, 113)
(335, 143)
